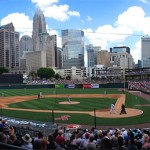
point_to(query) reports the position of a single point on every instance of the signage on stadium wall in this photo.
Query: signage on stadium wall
(78, 86)
(71, 86)
(94, 86)
(59, 85)
(86, 85)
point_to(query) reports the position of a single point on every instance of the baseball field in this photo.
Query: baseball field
(86, 106)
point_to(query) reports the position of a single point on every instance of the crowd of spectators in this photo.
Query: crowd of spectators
(140, 85)
(80, 139)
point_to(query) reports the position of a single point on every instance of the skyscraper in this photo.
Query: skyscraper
(72, 48)
(25, 44)
(90, 56)
(44, 45)
(39, 27)
(9, 46)
(145, 47)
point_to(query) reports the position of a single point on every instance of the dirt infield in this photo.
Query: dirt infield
(99, 113)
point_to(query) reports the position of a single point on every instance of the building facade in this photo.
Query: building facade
(26, 45)
(119, 49)
(39, 27)
(90, 55)
(36, 60)
(9, 46)
(44, 45)
(145, 47)
(72, 48)
(103, 58)
(145, 63)
(122, 60)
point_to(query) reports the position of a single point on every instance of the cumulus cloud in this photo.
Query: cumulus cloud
(136, 51)
(132, 22)
(44, 3)
(135, 19)
(57, 12)
(21, 22)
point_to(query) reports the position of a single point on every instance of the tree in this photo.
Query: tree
(68, 77)
(57, 76)
(45, 73)
(32, 74)
(3, 70)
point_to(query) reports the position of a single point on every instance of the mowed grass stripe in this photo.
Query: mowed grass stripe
(22, 92)
(131, 101)
(49, 103)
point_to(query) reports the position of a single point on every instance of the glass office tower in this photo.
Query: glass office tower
(72, 48)
(145, 47)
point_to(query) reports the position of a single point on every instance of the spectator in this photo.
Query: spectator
(60, 140)
(27, 142)
(51, 143)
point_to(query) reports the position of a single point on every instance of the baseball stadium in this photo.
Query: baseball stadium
(44, 107)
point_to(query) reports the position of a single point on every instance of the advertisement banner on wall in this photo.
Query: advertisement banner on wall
(78, 86)
(70, 86)
(94, 86)
(86, 86)
(59, 85)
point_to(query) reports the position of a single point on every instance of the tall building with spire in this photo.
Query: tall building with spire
(44, 45)
(39, 27)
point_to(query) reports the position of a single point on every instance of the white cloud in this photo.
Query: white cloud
(135, 19)
(26, 33)
(130, 23)
(88, 18)
(44, 3)
(136, 51)
(21, 22)
(59, 13)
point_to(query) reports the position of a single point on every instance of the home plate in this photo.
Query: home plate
(69, 103)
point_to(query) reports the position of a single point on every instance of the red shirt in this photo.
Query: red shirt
(60, 140)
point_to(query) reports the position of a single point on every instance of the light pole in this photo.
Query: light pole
(124, 78)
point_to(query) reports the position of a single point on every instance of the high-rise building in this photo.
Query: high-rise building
(90, 55)
(122, 60)
(145, 47)
(39, 26)
(25, 45)
(9, 46)
(103, 58)
(120, 49)
(96, 50)
(72, 48)
(59, 58)
(44, 45)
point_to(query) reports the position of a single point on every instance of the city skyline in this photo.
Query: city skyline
(105, 23)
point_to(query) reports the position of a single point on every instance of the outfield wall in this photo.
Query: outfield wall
(70, 86)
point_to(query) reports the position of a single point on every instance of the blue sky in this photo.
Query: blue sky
(106, 23)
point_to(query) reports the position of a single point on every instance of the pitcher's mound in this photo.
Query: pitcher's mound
(69, 103)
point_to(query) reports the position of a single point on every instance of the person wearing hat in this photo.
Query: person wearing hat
(60, 140)
(27, 142)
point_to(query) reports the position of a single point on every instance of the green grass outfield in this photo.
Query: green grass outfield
(86, 104)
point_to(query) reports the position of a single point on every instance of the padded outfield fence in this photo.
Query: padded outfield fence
(37, 86)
